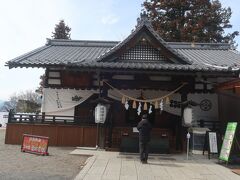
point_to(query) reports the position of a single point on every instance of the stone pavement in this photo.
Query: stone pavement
(105, 165)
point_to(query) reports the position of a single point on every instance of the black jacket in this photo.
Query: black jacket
(144, 127)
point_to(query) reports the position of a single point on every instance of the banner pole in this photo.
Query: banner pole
(97, 135)
(188, 137)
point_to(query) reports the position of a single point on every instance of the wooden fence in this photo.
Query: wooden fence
(59, 135)
(61, 130)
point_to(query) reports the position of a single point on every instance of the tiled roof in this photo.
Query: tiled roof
(95, 54)
(86, 53)
(213, 57)
(63, 52)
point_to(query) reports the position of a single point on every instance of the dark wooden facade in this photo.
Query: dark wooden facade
(229, 111)
(232, 86)
(165, 125)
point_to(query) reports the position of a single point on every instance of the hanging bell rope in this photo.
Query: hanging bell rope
(145, 100)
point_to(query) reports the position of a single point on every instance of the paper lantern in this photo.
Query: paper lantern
(100, 113)
(187, 116)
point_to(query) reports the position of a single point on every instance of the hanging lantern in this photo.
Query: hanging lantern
(156, 105)
(167, 100)
(123, 100)
(100, 113)
(145, 106)
(187, 116)
(126, 105)
(139, 110)
(150, 109)
(134, 105)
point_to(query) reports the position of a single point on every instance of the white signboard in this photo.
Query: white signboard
(213, 142)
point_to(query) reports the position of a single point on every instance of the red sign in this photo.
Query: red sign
(35, 144)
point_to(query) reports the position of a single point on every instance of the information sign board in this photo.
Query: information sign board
(213, 148)
(228, 141)
(35, 144)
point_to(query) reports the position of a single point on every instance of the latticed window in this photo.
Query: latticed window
(143, 51)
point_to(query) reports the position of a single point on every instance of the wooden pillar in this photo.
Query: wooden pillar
(10, 115)
(101, 130)
(43, 117)
(182, 129)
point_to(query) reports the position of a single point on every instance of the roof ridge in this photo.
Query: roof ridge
(69, 42)
(141, 23)
(185, 42)
(191, 45)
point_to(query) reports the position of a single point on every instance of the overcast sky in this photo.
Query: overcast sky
(25, 25)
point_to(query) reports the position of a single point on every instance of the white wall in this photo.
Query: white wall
(198, 113)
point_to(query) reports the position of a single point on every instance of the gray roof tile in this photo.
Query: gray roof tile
(88, 54)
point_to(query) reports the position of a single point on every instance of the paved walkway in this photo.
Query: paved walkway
(115, 166)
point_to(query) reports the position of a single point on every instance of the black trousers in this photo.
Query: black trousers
(143, 150)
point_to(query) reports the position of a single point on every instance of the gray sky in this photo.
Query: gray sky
(26, 24)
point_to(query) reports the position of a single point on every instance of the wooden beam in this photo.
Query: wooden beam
(229, 85)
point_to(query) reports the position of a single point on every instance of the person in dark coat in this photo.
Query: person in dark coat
(144, 127)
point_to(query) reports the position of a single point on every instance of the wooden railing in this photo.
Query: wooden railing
(48, 119)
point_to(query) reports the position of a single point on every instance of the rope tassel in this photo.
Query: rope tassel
(145, 107)
(167, 100)
(134, 106)
(156, 105)
(123, 100)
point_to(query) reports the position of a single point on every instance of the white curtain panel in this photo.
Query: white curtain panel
(63, 101)
(66, 112)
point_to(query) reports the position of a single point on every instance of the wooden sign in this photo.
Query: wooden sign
(35, 144)
(228, 141)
